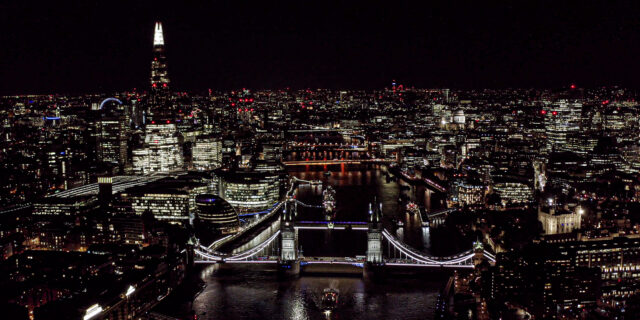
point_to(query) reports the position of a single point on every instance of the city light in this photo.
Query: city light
(93, 311)
(242, 161)
(130, 291)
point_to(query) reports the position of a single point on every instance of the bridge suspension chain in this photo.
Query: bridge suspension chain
(254, 251)
(462, 258)
(209, 255)
(309, 205)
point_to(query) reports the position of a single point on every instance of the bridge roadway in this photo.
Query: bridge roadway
(347, 266)
(336, 161)
(311, 130)
(407, 256)
(216, 245)
(326, 145)
(429, 182)
(337, 225)
(358, 262)
(435, 217)
(324, 148)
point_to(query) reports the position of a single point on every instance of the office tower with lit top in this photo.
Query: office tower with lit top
(160, 95)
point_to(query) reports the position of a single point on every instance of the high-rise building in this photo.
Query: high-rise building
(512, 190)
(111, 133)
(159, 73)
(161, 152)
(564, 120)
(249, 191)
(170, 205)
(207, 153)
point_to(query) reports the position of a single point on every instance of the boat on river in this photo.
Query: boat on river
(330, 299)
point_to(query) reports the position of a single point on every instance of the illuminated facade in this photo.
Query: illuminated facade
(563, 121)
(112, 140)
(618, 260)
(288, 240)
(207, 153)
(162, 151)
(250, 191)
(169, 205)
(559, 220)
(513, 191)
(74, 206)
(374, 235)
(469, 193)
(215, 213)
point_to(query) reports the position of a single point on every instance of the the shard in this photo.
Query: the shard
(159, 72)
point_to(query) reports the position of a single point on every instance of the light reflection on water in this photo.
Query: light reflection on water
(356, 188)
(247, 293)
(250, 294)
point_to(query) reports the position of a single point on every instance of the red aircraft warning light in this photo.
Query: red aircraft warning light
(573, 86)
(555, 113)
(543, 112)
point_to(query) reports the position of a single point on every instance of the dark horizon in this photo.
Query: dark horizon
(79, 47)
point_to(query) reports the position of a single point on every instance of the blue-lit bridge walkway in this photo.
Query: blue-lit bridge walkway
(403, 255)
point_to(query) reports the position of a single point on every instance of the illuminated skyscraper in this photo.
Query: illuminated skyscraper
(159, 73)
(207, 153)
(161, 152)
(563, 121)
(111, 133)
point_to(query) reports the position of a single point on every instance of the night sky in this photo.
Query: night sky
(85, 46)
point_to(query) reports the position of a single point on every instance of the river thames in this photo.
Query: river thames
(247, 293)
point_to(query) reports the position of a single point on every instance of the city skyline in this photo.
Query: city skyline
(232, 46)
(331, 161)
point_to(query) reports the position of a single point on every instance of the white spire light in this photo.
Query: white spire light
(158, 38)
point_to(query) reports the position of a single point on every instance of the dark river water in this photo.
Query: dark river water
(247, 293)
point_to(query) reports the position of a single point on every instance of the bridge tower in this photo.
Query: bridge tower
(288, 251)
(374, 236)
(374, 266)
(478, 250)
(288, 264)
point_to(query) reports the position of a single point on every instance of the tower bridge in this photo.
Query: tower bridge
(384, 250)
